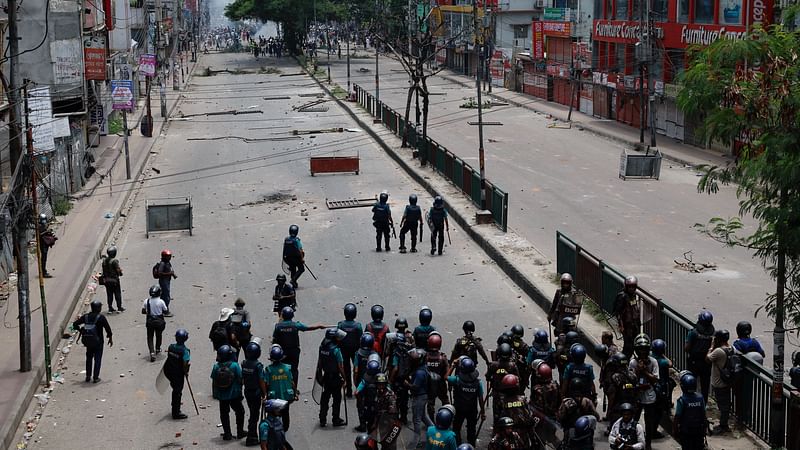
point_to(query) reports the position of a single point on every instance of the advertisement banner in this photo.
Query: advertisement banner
(122, 95)
(67, 59)
(557, 14)
(94, 57)
(41, 119)
(147, 65)
(560, 29)
(669, 35)
(538, 41)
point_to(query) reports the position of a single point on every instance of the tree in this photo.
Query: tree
(747, 94)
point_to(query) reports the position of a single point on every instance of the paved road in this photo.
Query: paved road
(241, 213)
(561, 179)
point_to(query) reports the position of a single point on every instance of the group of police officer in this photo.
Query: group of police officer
(436, 217)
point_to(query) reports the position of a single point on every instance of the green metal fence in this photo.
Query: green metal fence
(442, 160)
(601, 282)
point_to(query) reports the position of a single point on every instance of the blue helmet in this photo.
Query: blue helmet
(584, 427)
(466, 366)
(578, 353)
(659, 347)
(412, 199)
(276, 353)
(688, 382)
(444, 417)
(425, 316)
(373, 367)
(252, 351)
(287, 313)
(225, 353)
(181, 336)
(705, 317)
(541, 337)
(367, 341)
(350, 311)
(465, 447)
(293, 230)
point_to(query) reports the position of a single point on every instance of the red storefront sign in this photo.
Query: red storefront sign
(94, 57)
(109, 14)
(671, 35)
(560, 29)
(538, 40)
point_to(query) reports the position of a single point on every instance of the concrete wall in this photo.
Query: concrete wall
(505, 29)
(584, 16)
(120, 36)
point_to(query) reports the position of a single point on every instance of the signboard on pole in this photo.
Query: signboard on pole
(122, 95)
(94, 57)
(147, 64)
(538, 40)
(40, 114)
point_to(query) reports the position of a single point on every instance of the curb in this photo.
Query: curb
(8, 431)
(508, 267)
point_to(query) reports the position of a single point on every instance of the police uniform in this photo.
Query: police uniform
(421, 333)
(272, 431)
(516, 407)
(470, 346)
(349, 347)
(626, 310)
(438, 439)
(467, 395)
(437, 367)
(521, 350)
(329, 376)
(378, 329)
(178, 357)
(494, 376)
(387, 428)
(229, 398)
(252, 377)
(546, 396)
(698, 341)
(437, 216)
(565, 304)
(401, 369)
(412, 218)
(582, 371)
(361, 359)
(690, 418)
(280, 385)
(509, 440)
(284, 295)
(545, 352)
(367, 393)
(293, 257)
(621, 390)
(381, 218)
(287, 335)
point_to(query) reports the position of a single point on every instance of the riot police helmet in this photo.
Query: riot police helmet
(252, 351)
(417, 356)
(577, 387)
(541, 337)
(96, 306)
(434, 341)
(425, 316)
(505, 338)
(287, 313)
(688, 383)
(566, 281)
(330, 334)
(401, 323)
(504, 351)
(412, 199)
(705, 317)
(367, 341)
(743, 329)
(569, 324)
(509, 382)
(444, 417)
(181, 336)
(276, 353)
(620, 358)
(577, 353)
(544, 372)
(601, 351)
(274, 405)
(438, 201)
(350, 311)
(112, 251)
(583, 426)
(466, 365)
(383, 197)
(505, 422)
(376, 312)
(373, 368)
(465, 446)
(518, 331)
(468, 327)
(155, 291)
(631, 284)
(659, 347)
(571, 337)
(366, 442)
(225, 353)
(293, 230)
(166, 253)
(281, 278)
(627, 407)
(722, 335)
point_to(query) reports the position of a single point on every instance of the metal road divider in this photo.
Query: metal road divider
(442, 160)
(601, 282)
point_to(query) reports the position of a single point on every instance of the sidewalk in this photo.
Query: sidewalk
(82, 236)
(673, 150)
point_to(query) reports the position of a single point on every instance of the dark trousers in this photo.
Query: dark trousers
(94, 355)
(650, 422)
(254, 407)
(44, 249)
(627, 339)
(349, 359)
(330, 391)
(292, 358)
(402, 402)
(176, 383)
(723, 398)
(225, 407)
(437, 232)
(113, 290)
(692, 442)
(165, 283)
(285, 418)
(441, 394)
(408, 227)
(701, 370)
(381, 231)
(295, 270)
(471, 417)
(153, 331)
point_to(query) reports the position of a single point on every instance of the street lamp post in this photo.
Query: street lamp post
(478, 75)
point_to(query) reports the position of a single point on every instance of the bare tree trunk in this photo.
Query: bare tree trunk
(425, 104)
(411, 90)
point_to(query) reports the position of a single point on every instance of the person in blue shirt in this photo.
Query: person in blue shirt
(226, 379)
(287, 335)
(271, 432)
(294, 255)
(440, 436)
(745, 344)
(330, 375)
(689, 423)
(418, 387)
(579, 369)
(280, 384)
(176, 368)
(467, 390)
(350, 343)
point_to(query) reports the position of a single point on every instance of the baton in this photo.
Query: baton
(186, 375)
(344, 400)
(420, 230)
(448, 236)
(486, 400)
(309, 270)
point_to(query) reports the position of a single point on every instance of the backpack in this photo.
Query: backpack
(89, 335)
(156, 271)
(733, 367)
(224, 378)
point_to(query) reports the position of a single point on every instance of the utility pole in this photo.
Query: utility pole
(642, 63)
(377, 76)
(35, 200)
(650, 87)
(478, 66)
(18, 206)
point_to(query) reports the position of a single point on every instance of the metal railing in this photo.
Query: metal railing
(601, 283)
(458, 172)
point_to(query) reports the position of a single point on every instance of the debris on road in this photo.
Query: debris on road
(318, 131)
(485, 123)
(279, 97)
(306, 106)
(292, 74)
(244, 139)
(235, 112)
(690, 266)
(350, 203)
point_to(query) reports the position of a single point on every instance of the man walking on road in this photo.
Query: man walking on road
(382, 221)
(437, 221)
(176, 369)
(412, 218)
(92, 338)
(284, 294)
(111, 273)
(163, 271)
(293, 254)
(226, 379)
(47, 239)
(154, 308)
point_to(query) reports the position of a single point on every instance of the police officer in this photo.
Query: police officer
(91, 326)
(621, 388)
(581, 436)
(424, 329)
(280, 384)
(412, 218)
(746, 344)
(563, 346)
(365, 351)
(440, 436)
(287, 335)
(386, 426)
(271, 430)
(366, 442)
(468, 345)
(176, 368)
(545, 394)
(349, 345)
(399, 371)
(496, 371)
(628, 313)
(698, 341)
(165, 275)
(330, 375)
(366, 395)
(437, 364)
(437, 221)
(226, 377)
(505, 436)
(467, 398)
(665, 384)
(111, 273)
(689, 423)
(418, 386)
(255, 388)
(626, 433)
(521, 350)
(541, 349)
(566, 303)
(377, 328)
(514, 405)
(382, 221)
(575, 404)
(578, 368)
(284, 295)
(645, 367)
(294, 255)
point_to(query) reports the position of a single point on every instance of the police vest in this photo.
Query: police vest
(466, 347)
(403, 363)
(174, 363)
(466, 394)
(363, 358)
(436, 362)
(700, 344)
(693, 419)
(413, 214)
(288, 335)
(251, 374)
(582, 371)
(351, 341)
(543, 352)
(290, 251)
(630, 312)
(421, 333)
(628, 432)
(516, 407)
(569, 305)
(499, 370)
(369, 395)
(437, 216)
(327, 360)
(380, 213)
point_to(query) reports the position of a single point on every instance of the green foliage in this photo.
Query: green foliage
(747, 92)
(61, 205)
(115, 125)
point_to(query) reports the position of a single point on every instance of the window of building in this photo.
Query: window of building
(657, 66)
(619, 64)
(622, 10)
(683, 11)
(658, 9)
(704, 11)
(675, 64)
(521, 31)
(637, 12)
(609, 9)
(730, 12)
(598, 6)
